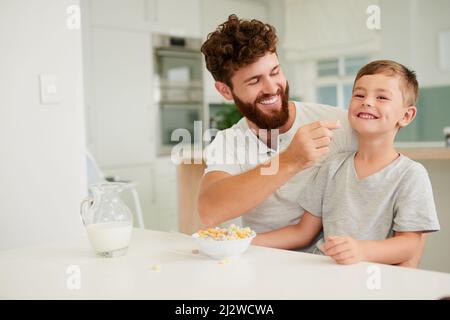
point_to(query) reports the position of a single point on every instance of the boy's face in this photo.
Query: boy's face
(377, 106)
(260, 92)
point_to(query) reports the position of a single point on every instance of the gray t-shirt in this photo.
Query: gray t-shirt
(397, 198)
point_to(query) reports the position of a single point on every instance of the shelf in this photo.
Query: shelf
(436, 153)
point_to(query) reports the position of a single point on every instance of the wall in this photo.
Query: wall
(436, 255)
(42, 167)
(414, 42)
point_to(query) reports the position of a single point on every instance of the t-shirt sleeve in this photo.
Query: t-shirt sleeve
(221, 157)
(311, 197)
(414, 208)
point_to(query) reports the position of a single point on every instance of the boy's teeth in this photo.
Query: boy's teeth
(269, 101)
(366, 116)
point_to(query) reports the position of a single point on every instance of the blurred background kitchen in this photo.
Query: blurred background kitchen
(113, 90)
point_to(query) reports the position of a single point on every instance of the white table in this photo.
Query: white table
(40, 272)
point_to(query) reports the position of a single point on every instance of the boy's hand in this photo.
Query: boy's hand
(344, 250)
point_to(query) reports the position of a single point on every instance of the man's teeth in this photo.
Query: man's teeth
(269, 101)
(366, 116)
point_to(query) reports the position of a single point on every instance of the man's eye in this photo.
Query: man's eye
(253, 82)
(275, 73)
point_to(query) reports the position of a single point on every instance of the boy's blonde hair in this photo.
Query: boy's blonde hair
(409, 85)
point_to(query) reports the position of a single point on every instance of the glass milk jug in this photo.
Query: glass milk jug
(107, 219)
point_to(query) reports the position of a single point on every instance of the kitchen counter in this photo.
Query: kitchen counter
(433, 153)
(161, 265)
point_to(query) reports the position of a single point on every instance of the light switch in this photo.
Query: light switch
(49, 88)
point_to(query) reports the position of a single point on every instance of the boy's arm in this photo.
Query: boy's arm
(415, 260)
(395, 250)
(293, 236)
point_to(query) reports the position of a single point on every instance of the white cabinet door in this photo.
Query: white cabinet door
(166, 192)
(123, 125)
(178, 18)
(129, 14)
(215, 12)
(325, 28)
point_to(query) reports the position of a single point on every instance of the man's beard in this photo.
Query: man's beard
(263, 120)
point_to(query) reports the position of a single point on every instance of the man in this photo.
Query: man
(241, 55)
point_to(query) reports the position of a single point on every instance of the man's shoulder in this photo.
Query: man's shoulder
(316, 111)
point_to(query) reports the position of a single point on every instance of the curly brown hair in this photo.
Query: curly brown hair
(237, 43)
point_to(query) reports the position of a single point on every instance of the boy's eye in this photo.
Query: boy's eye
(382, 97)
(357, 95)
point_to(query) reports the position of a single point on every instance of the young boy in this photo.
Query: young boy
(374, 204)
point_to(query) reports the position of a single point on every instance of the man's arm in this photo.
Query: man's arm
(223, 196)
(395, 250)
(291, 237)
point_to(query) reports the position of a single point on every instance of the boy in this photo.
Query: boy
(375, 203)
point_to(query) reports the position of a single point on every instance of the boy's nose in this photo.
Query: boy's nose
(367, 102)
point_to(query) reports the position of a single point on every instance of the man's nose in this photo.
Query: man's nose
(270, 86)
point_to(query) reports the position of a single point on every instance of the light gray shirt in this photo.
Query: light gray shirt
(232, 152)
(397, 198)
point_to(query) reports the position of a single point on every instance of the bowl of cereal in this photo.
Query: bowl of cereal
(221, 243)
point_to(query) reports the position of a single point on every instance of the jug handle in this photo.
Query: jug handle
(83, 208)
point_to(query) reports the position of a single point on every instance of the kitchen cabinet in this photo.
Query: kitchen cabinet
(127, 14)
(123, 121)
(173, 17)
(165, 184)
(316, 28)
(189, 177)
(177, 18)
(156, 186)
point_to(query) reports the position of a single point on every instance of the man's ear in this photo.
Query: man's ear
(408, 116)
(224, 90)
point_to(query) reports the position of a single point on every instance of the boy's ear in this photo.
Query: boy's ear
(408, 116)
(224, 90)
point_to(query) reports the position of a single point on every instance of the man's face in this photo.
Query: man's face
(261, 92)
(377, 105)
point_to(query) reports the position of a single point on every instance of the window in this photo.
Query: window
(335, 79)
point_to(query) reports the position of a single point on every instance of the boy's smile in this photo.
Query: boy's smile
(366, 115)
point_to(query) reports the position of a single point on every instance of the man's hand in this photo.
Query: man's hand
(310, 142)
(344, 250)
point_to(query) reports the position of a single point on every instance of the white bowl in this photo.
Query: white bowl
(221, 249)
